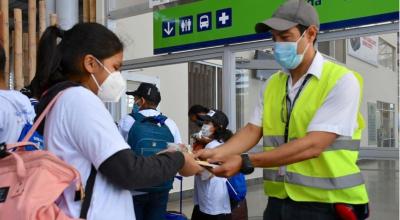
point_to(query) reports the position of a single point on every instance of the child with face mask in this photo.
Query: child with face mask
(196, 122)
(211, 196)
(84, 64)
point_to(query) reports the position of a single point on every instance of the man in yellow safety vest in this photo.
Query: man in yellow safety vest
(308, 116)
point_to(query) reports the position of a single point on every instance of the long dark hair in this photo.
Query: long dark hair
(222, 134)
(57, 62)
(2, 62)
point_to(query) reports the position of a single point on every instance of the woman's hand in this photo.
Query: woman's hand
(191, 167)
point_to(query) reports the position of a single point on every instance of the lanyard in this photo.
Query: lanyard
(290, 105)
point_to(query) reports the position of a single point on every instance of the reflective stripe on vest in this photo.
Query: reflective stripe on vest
(316, 182)
(339, 144)
(273, 141)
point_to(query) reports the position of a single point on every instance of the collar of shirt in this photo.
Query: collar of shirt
(149, 112)
(315, 67)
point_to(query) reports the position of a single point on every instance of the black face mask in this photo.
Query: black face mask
(198, 122)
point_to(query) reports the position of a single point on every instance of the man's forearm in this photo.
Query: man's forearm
(295, 151)
(242, 141)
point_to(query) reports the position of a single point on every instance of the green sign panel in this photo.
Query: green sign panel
(208, 23)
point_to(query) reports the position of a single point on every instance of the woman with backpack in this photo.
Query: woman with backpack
(211, 197)
(84, 64)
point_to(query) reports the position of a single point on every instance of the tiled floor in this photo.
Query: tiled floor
(382, 179)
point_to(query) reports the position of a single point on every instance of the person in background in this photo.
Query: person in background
(195, 111)
(28, 92)
(154, 98)
(149, 132)
(15, 108)
(84, 64)
(126, 122)
(211, 196)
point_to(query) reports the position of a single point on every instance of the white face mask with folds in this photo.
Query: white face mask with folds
(206, 130)
(112, 88)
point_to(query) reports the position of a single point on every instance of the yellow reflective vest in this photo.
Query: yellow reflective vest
(334, 176)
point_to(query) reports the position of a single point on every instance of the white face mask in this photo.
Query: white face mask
(206, 130)
(112, 88)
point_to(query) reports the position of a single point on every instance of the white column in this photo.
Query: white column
(50, 9)
(229, 88)
(67, 12)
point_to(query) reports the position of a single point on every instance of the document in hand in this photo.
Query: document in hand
(206, 164)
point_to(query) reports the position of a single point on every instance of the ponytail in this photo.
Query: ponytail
(2, 63)
(222, 134)
(60, 53)
(48, 61)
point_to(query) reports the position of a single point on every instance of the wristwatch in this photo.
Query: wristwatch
(247, 167)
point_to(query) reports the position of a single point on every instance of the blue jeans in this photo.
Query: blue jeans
(151, 206)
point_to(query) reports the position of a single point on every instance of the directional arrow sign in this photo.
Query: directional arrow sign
(168, 28)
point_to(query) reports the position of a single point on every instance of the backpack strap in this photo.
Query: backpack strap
(158, 119)
(161, 118)
(137, 116)
(41, 117)
(45, 105)
(47, 97)
(88, 193)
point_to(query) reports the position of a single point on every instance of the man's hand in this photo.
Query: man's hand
(229, 165)
(203, 154)
(208, 154)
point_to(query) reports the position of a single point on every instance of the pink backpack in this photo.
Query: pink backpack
(32, 181)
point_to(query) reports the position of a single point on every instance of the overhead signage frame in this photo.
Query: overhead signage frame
(210, 23)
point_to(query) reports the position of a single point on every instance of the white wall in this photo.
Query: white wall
(380, 84)
(137, 35)
(174, 93)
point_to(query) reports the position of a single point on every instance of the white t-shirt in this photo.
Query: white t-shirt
(337, 114)
(127, 121)
(15, 112)
(212, 195)
(81, 131)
